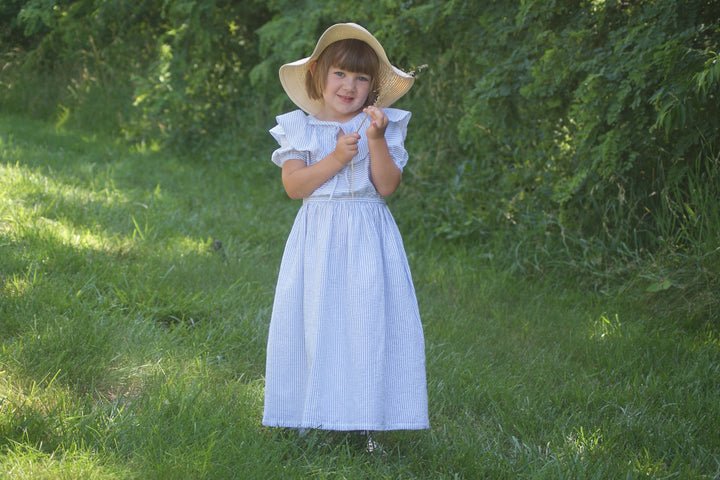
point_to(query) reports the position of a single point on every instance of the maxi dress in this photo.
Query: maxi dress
(345, 345)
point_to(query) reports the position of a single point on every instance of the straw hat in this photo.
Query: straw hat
(392, 83)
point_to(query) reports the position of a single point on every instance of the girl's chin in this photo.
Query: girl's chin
(348, 107)
(346, 112)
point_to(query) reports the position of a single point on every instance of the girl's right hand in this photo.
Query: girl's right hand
(346, 147)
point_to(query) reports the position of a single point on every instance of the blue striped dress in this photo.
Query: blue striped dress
(345, 346)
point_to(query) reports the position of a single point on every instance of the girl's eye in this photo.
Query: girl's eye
(364, 79)
(340, 74)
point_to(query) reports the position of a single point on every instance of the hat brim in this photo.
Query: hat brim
(392, 83)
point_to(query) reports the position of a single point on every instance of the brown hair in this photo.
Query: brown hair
(350, 54)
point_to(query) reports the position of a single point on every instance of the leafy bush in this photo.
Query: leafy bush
(534, 123)
(198, 81)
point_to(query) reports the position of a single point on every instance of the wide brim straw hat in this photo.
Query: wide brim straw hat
(392, 83)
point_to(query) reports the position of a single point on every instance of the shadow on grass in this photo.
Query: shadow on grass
(94, 231)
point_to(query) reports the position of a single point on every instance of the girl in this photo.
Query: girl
(345, 347)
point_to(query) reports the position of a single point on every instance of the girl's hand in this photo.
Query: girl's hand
(346, 147)
(378, 124)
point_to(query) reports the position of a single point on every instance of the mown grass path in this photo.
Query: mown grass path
(135, 292)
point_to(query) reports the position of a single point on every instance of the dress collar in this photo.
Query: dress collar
(351, 125)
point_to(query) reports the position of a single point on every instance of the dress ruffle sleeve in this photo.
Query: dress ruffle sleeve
(395, 135)
(295, 137)
(297, 134)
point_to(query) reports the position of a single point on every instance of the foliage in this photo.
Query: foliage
(75, 59)
(569, 129)
(154, 70)
(570, 108)
(198, 81)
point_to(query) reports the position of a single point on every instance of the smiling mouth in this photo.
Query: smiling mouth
(346, 99)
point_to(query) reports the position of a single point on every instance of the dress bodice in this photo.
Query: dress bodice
(306, 138)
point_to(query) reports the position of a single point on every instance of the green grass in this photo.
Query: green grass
(133, 348)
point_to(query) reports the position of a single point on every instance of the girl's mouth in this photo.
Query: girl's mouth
(345, 99)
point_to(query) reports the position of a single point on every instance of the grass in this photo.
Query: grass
(133, 342)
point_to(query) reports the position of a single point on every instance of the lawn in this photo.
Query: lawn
(135, 295)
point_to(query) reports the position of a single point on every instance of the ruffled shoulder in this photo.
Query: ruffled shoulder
(395, 134)
(293, 134)
(397, 127)
(294, 127)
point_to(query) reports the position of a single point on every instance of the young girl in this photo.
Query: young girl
(345, 347)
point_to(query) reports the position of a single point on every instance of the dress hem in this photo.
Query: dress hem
(348, 428)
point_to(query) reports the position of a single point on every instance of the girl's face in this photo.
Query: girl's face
(345, 94)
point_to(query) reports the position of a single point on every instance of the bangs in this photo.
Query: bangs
(354, 56)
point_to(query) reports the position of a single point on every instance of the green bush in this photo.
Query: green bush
(567, 129)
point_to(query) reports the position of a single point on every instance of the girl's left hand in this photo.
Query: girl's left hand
(378, 124)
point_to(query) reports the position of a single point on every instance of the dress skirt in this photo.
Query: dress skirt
(345, 346)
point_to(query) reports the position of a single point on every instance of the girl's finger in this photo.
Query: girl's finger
(378, 116)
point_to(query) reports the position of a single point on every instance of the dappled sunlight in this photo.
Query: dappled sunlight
(191, 246)
(22, 398)
(23, 462)
(598, 5)
(79, 238)
(18, 284)
(59, 210)
(708, 339)
(583, 443)
(606, 327)
(650, 466)
(70, 213)
(253, 393)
